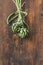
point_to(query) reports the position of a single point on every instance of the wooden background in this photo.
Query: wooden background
(29, 51)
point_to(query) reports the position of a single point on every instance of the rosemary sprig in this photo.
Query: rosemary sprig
(19, 25)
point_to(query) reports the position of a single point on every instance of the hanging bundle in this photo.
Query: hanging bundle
(19, 25)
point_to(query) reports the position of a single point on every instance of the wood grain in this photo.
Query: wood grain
(28, 51)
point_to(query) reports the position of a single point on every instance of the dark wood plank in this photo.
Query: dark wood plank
(29, 51)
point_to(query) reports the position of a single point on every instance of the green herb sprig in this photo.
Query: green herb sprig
(19, 26)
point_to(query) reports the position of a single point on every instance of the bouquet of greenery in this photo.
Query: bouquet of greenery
(19, 26)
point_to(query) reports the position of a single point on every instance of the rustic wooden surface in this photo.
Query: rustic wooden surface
(29, 51)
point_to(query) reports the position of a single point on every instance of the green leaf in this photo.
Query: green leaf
(23, 33)
(11, 17)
